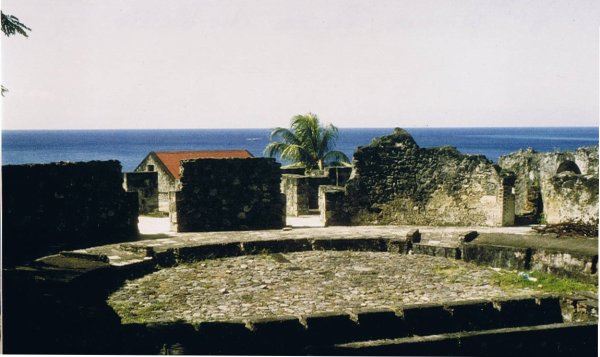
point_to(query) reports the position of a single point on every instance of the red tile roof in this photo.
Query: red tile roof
(171, 159)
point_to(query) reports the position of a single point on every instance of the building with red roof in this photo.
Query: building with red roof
(167, 164)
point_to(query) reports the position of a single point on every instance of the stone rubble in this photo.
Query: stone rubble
(300, 284)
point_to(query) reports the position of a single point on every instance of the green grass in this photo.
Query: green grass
(545, 282)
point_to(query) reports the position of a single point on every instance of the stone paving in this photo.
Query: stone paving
(300, 284)
(132, 252)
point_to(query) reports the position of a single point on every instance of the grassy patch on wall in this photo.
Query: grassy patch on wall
(541, 281)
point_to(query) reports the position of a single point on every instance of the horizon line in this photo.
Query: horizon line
(339, 127)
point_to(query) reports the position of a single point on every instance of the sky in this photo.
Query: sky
(106, 64)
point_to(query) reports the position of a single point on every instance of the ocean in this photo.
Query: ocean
(131, 146)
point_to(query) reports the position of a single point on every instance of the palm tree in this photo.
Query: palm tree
(307, 143)
(10, 26)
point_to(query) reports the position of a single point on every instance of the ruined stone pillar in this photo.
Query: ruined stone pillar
(296, 190)
(331, 203)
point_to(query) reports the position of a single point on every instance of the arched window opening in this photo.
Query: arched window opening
(568, 166)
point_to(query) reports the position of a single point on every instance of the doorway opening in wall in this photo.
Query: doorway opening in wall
(153, 226)
(311, 220)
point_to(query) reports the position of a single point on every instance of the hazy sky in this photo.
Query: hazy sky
(211, 64)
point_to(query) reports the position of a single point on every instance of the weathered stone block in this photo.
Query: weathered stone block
(296, 190)
(229, 194)
(497, 256)
(52, 207)
(571, 198)
(578, 266)
(331, 206)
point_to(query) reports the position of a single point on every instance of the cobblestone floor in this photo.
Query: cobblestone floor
(300, 283)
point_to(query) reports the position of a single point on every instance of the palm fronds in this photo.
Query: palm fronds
(307, 143)
(11, 25)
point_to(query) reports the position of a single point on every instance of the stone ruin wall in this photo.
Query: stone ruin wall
(47, 208)
(296, 191)
(146, 186)
(561, 186)
(397, 182)
(302, 191)
(331, 206)
(571, 198)
(228, 194)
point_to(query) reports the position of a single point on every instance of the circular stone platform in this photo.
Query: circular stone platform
(300, 284)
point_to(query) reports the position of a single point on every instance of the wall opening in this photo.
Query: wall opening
(569, 166)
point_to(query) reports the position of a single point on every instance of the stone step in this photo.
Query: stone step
(550, 339)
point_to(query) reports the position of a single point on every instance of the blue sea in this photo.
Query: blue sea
(131, 146)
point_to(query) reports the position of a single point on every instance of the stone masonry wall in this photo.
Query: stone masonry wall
(331, 206)
(538, 189)
(302, 191)
(146, 186)
(228, 194)
(569, 197)
(52, 207)
(397, 182)
(296, 190)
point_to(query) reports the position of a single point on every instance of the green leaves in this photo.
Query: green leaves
(306, 143)
(11, 25)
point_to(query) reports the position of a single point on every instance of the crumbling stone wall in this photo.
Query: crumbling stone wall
(331, 206)
(302, 191)
(397, 182)
(52, 207)
(146, 186)
(569, 197)
(538, 185)
(297, 191)
(228, 194)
